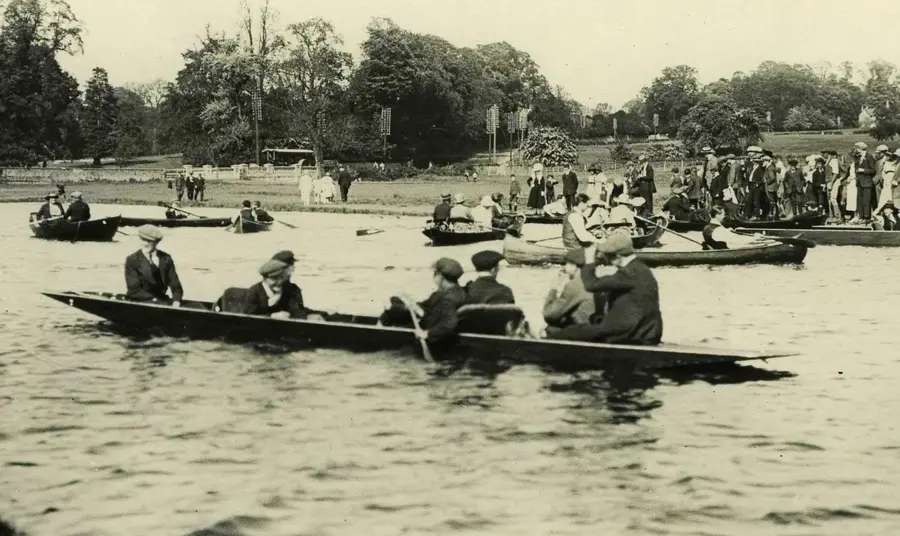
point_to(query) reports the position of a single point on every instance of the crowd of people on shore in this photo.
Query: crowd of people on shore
(617, 303)
(324, 190)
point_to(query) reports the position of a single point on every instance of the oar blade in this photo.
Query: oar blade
(368, 232)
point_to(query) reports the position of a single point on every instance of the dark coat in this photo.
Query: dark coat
(633, 315)
(570, 183)
(441, 317)
(256, 301)
(487, 290)
(679, 207)
(261, 215)
(442, 212)
(44, 212)
(865, 172)
(344, 179)
(78, 211)
(142, 281)
(770, 178)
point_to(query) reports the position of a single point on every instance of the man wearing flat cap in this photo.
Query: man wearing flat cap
(568, 303)
(442, 211)
(632, 293)
(150, 273)
(51, 208)
(276, 296)
(484, 289)
(78, 210)
(438, 313)
(865, 182)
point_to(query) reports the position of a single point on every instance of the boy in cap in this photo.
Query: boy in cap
(51, 208)
(485, 289)
(276, 296)
(438, 313)
(568, 304)
(633, 315)
(150, 273)
(78, 210)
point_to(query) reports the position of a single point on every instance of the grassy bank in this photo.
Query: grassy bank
(402, 198)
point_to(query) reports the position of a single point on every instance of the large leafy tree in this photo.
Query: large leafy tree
(132, 136)
(38, 100)
(100, 117)
(672, 95)
(718, 122)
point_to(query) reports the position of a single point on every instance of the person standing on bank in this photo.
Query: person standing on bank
(150, 273)
(574, 232)
(189, 184)
(865, 181)
(344, 182)
(514, 190)
(305, 184)
(78, 210)
(179, 185)
(645, 184)
(570, 186)
(199, 188)
(485, 289)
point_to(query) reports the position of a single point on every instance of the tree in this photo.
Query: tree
(883, 96)
(152, 95)
(671, 95)
(805, 117)
(718, 122)
(776, 88)
(100, 116)
(132, 139)
(39, 103)
(549, 146)
(313, 79)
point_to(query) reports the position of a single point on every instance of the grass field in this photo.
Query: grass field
(416, 197)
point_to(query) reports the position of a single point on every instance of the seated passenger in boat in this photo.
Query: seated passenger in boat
(442, 211)
(574, 230)
(484, 288)
(173, 214)
(150, 273)
(624, 210)
(78, 210)
(260, 214)
(556, 208)
(497, 210)
(597, 213)
(632, 293)
(51, 208)
(275, 296)
(885, 219)
(459, 211)
(717, 236)
(438, 313)
(246, 212)
(483, 214)
(569, 305)
(679, 206)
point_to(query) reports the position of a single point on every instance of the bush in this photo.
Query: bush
(805, 117)
(666, 151)
(391, 173)
(549, 146)
(622, 152)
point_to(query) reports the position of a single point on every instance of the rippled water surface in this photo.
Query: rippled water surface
(103, 435)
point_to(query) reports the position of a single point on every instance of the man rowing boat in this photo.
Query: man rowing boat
(246, 212)
(574, 232)
(275, 296)
(569, 306)
(717, 236)
(260, 214)
(78, 210)
(438, 313)
(485, 289)
(150, 273)
(172, 213)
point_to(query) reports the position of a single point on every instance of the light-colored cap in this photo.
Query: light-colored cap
(150, 233)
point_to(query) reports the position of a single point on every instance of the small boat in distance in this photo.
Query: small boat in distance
(838, 235)
(180, 222)
(197, 319)
(98, 230)
(245, 226)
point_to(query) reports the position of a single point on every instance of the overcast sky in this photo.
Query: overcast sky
(598, 50)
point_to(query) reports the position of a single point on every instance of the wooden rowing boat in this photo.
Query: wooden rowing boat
(245, 226)
(518, 251)
(361, 333)
(803, 221)
(99, 230)
(180, 222)
(838, 236)
(460, 232)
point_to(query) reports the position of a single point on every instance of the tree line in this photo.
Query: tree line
(293, 84)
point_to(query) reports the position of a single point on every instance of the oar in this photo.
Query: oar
(367, 232)
(286, 224)
(689, 239)
(163, 204)
(123, 233)
(425, 351)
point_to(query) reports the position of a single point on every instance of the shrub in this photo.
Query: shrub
(666, 151)
(622, 152)
(549, 146)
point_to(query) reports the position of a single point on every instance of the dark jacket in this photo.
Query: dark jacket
(344, 178)
(441, 317)
(679, 207)
(441, 212)
(570, 183)
(574, 305)
(261, 215)
(146, 283)
(256, 301)
(487, 290)
(174, 215)
(865, 171)
(770, 178)
(78, 211)
(633, 315)
(44, 212)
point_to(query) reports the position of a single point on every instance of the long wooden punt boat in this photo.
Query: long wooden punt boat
(99, 230)
(180, 222)
(519, 251)
(838, 235)
(361, 333)
(245, 226)
(804, 221)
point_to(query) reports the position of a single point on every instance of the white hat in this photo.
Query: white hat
(622, 198)
(637, 202)
(538, 167)
(882, 148)
(860, 145)
(486, 201)
(754, 149)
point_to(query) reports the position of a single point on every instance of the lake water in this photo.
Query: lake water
(101, 435)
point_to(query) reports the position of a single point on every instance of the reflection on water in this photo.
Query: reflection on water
(103, 434)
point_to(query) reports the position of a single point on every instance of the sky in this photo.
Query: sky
(598, 50)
